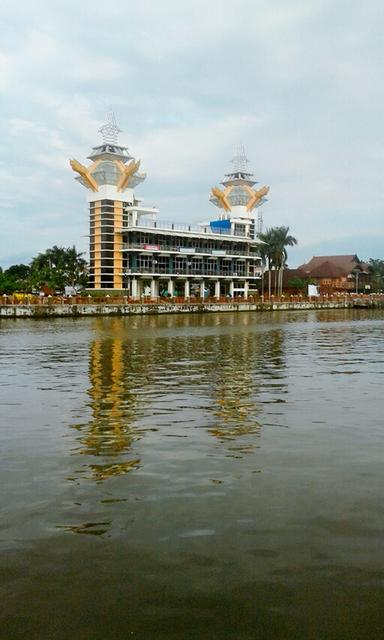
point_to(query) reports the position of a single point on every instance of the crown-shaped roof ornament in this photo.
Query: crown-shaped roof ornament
(239, 160)
(110, 130)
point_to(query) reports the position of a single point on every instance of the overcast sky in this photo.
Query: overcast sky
(300, 83)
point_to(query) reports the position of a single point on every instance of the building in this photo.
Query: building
(132, 251)
(336, 273)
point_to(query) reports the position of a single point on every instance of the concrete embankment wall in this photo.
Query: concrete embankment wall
(77, 310)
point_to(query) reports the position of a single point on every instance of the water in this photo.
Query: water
(200, 476)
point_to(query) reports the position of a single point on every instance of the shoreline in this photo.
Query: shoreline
(39, 311)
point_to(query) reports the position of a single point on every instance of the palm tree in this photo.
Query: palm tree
(266, 254)
(281, 240)
(278, 239)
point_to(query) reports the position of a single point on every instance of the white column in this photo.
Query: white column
(134, 288)
(217, 289)
(231, 287)
(246, 287)
(171, 288)
(186, 289)
(202, 289)
(154, 289)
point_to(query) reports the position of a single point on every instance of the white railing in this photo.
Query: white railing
(173, 226)
(215, 253)
(155, 270)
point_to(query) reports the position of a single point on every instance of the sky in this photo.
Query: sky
(299, 83)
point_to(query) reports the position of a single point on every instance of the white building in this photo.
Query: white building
(132, 251)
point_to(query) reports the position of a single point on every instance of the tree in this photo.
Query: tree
(281, 241)
(298, 284)
(376, 270)
(15, 278)
(59, 267)
(266, 255)
(277, 239)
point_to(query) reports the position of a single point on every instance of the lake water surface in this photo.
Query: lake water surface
(213, 476)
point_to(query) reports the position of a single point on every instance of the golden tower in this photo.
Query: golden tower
(239, 202)
(109, 181)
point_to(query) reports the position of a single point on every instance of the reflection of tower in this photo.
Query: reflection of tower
(109, 181)
(110, 431)
(239, 200)
(116, 369)
(234, 389)
(109, 435)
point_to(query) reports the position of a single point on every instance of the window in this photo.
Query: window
(179, 264)
(196, 265)
(226, 267)
(239, 230)
(144, 263)
(211, 266)
(240, 267)
(162, 264)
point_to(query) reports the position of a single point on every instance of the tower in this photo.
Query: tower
(239, 200)
(110, 181)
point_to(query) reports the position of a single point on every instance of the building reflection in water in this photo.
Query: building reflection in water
(235, 409)
(139, 372)
(243, 368)
(114, 374)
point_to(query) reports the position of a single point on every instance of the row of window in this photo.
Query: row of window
(102, 216)
(106, 203)
(105, 284)
(106, 237)
(182, 265)
(102, 254)
(174, 243)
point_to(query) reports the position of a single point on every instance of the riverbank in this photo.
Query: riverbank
(50, 310)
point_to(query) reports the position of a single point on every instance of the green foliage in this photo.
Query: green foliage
(16, 278)
(277, 239)
(56, 268)
(376, 270)
(299, 284)
(59, 267)
(274, 253)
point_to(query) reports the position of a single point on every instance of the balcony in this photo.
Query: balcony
(157, 271)
(173, 226)
(162, 248)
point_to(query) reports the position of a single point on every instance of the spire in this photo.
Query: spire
(239, 160)
(239, 188)
(110, 130)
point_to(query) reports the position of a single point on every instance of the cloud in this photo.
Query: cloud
(297, 82)
(5, 70)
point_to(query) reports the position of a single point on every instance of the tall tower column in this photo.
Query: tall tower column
(170, 287)
(109, 181)
(154, 289)
(134, 288)
(239, 200)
